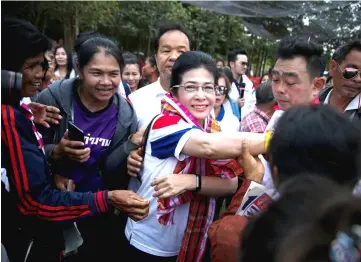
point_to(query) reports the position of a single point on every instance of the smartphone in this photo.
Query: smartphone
(75, 133)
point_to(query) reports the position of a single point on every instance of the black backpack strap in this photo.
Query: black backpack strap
(146, 135)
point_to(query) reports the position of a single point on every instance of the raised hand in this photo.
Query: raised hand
(73, 150)
(45, 115)
(252, 166)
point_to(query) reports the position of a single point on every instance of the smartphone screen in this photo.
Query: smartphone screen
(75, 133)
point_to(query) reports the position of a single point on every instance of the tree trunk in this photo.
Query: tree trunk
(149, 40)
(264, 61)
(226, 51)
(68, 35)
(76, 22)
(44, 24)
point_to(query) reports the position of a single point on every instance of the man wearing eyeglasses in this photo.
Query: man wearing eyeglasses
(345, 67)
(242, 90)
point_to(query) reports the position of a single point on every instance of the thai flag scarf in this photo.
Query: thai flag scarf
(201, 211)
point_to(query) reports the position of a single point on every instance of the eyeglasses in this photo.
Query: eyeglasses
(222, 90)
(244, 63)
(349, 73)
(210, 89)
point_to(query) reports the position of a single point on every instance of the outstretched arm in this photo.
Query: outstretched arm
(223, 145)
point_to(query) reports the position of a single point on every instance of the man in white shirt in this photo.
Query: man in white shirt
(172, 41)
(296, 80)
(242, 90)
(345, 68)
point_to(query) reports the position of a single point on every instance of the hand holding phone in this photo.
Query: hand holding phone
(72, 146)
(75, 133)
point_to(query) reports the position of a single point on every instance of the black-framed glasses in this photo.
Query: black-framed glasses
(244, 63)
(222, 90)
(209, 88)
(349, 73)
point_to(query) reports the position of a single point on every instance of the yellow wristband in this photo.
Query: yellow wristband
(267, 139)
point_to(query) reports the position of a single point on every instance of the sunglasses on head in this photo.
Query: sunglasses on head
(349, 73)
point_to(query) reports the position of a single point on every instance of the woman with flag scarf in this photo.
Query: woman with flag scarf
(185, 139)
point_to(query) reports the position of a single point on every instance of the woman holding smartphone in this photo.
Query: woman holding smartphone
(92, 104)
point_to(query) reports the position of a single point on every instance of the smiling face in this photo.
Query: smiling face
(199, 103)
(292, 84)
(61, 57)
(347, 87)
(171, 45)
(33, 73)
(220, 98)
(131, 75)
(101, 77)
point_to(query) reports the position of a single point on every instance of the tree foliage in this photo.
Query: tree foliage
(133, 25)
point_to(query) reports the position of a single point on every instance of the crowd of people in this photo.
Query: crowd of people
(171, 149)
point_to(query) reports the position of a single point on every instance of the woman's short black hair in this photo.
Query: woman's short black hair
(96, 45)
(20, 41)
(188, 61)
(316, 139)
(69, 59)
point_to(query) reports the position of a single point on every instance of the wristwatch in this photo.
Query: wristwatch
(198, 183)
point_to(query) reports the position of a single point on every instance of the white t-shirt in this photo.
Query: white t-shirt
(163, 150)
(147, 102)
(228, 121)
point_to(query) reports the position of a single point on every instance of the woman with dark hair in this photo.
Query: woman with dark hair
(131, 72)
(63, 62)
(230, 106)
(227, 120)
(185, 139)
(91, 102)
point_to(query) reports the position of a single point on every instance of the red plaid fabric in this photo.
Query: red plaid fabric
(255, 122)
(201, 211)
(30, 116)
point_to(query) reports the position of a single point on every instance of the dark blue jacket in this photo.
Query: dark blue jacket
(30, 182)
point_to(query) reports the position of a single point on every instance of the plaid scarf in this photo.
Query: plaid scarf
(201, 211)
(29, 115)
